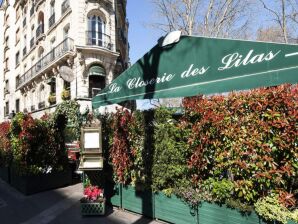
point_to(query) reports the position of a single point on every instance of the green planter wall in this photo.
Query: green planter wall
(5, 174)
(210, 213)
(172, 209)
(137, 201)
(117, 195)
(37, 183)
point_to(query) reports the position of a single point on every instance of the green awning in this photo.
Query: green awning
(96, 70)
(199, 65)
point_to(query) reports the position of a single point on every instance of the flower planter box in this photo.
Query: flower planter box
(173, 210)
(138, 201)
(31, 184)
(93, 208)
(5, 174)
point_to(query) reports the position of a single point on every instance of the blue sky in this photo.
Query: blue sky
(141, 37)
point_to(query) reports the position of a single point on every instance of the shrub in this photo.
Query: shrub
(169, 168)
(5, 146)
(120, 148)
(234, 149)
(270, 209)
(35, 147)
(248, 137)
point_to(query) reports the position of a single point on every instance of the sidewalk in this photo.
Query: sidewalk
(55, 207)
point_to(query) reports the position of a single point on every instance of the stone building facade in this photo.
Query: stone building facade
(59, 49)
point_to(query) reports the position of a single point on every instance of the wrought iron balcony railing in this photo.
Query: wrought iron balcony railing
(98, 39)
(56, 53)
(39, 31)
(52, 20)
(31, 42)
(65, 5)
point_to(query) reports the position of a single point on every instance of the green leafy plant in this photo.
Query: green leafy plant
(231, 149)
(68, 113)
(169, 168)
(65, 94)
(52, 98)
(120, 150)
(270, 209)
(222, 189)
(35, 147)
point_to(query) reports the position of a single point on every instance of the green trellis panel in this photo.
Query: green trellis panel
(116, 198)
(172, 209)
(138, 201)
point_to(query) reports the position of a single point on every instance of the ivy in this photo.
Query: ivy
(68, 113)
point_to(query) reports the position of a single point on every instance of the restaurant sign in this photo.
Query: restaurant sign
(197, 65)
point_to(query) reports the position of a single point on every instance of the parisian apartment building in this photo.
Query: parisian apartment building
(55, 50)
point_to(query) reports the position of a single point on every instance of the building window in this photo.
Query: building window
(96, 30)
(17, 81)
(6, 64)
(52, 7)
(6, 41)
(17, 58)
(32, 9)
(41, 103)
(25, 45)
(17, 105)
(32, 37)
(17, 36)
(52, 14)
(24, 15)
(18, 13)
(6, 19)
(40, 21)
(6, 108)
(6, 88)
(66, 31)
(53, 86)
(25, 110)
(64, 6)
(66, 85)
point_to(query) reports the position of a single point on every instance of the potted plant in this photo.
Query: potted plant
(93, 202)
(65, 95)
(52, 98)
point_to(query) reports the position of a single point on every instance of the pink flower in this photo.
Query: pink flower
(92, 193)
